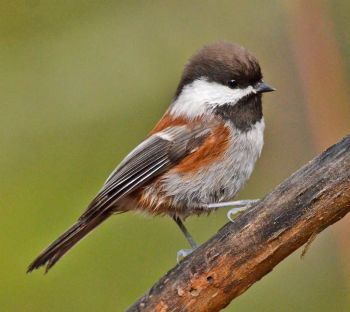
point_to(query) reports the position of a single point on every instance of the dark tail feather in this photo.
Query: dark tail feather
(65, 242)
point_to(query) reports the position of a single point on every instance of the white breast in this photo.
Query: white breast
(222, 181)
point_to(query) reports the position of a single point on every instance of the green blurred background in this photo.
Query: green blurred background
(82, 82)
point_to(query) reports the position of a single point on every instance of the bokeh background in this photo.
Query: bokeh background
(82, 82)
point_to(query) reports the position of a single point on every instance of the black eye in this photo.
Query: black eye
(232, 83)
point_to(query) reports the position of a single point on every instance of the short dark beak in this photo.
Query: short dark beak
(262, 87)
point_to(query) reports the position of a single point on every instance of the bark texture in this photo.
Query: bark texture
(242, 252)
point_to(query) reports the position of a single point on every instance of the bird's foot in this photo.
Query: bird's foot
(234, 212)
(242, 205)
(181, 254)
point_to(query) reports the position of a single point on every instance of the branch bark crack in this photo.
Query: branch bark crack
(242, 252)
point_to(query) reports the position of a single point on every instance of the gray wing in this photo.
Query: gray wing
(152, 157)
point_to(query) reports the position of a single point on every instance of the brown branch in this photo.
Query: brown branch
(242, 252)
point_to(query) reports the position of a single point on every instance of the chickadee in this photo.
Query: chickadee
(197, 157)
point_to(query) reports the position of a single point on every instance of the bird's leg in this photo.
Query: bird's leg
(184, 252)
(239, 206)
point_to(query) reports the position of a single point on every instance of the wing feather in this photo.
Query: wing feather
(151, 158)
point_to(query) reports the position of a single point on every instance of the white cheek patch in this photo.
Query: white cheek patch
(201, 96)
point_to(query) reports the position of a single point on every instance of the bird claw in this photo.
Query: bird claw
(181, 254)
(232, 213)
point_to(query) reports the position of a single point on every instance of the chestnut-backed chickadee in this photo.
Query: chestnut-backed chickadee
(198, 155)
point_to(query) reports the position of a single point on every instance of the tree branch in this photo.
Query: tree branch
(242, 252)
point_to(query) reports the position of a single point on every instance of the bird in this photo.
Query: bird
(195, 159)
